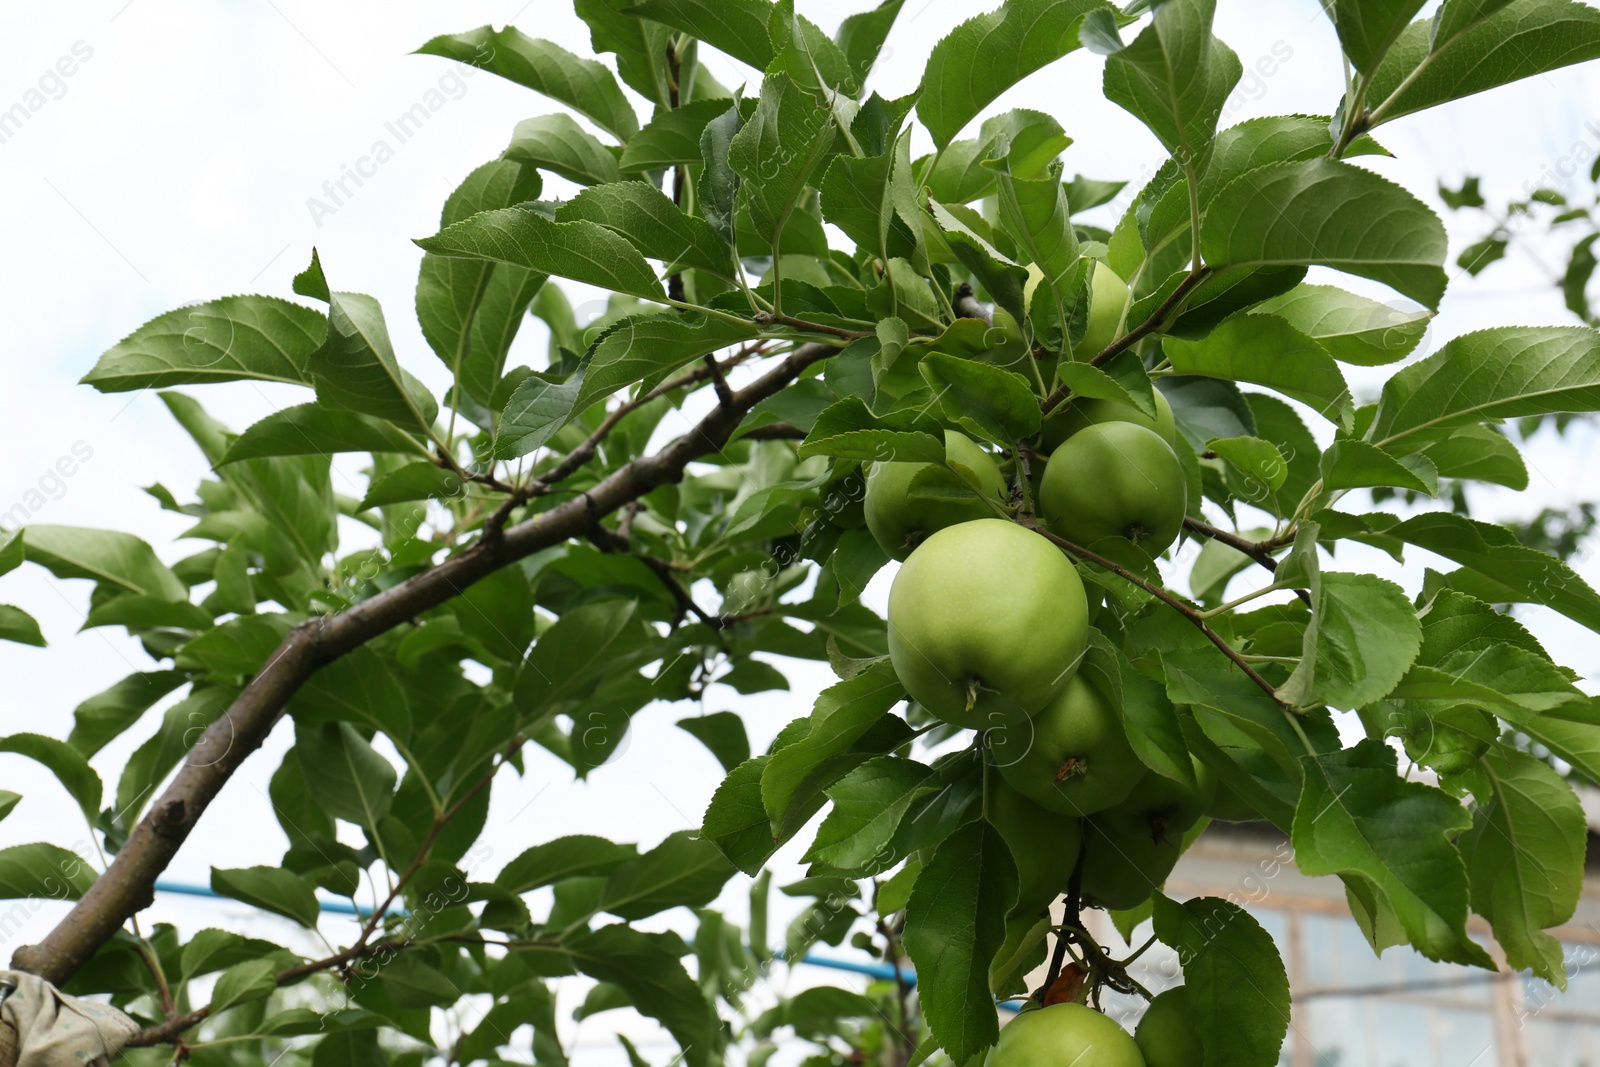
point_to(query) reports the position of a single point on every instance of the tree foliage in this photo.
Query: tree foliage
(550, 554)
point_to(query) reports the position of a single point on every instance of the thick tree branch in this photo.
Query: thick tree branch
(128, 884)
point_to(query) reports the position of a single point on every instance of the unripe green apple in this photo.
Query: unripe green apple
(987, 623)
(1123, 866)
(1064, 1035)
(1115, 479)
(1073, 757)
(1090, 411)
(1108, 296)
(1043, 844)
(899, 522)
(1166, 1035)
(1161, 808)
(1229, 806)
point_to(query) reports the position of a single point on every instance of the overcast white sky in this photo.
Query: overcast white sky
(176, 163)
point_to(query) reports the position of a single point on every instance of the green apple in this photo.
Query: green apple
(1115, 479)
(1043, 843)
(899, 522)
(1228, 806)
(1064, 1035)
(1073, 757)
(987, 623)
(1108, 297)
(1166, 1035)
(1091, 411)
(1122, 866)
(1161, 808)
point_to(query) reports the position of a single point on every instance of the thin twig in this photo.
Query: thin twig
(1260, 551)
(770, 318)
(1171, 601)
(1156, 321)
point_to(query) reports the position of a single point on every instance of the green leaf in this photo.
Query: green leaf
(685, 870)
(1272, 139)
(776, 151)
(1266, 350)
(8, 801)
(985, 400)
(349, 1048)
(1259, 461)
(237, 647)
(1175, 77)
(1503, 373)
(584, 644)
(43, 871)
(955, 925)
(1235, 987)
(641, 347)
(311, 281)
(1576, 743)
(1368, 27)
(18, 626)
(1522, 39)
(356, 369)
(577, 856)
(12, 555)
(556, 143)
(862, 34)
(1005, 281)
(868, 804)
(63, 761)
(736, 820)
(358, 687)
(113, 559)
(1152, 724)
(639, 44)
(1525, 574)
(1524, 855)
(347, 778)
(1481, 453)
(243, 983)
(671, 138)
(1358, 818)
(737, 27)
(227, 340)
(1325, 213)
(414, 481)
(215, 950)
(1031, 138)
(152, 761)
(470, 310)
(987, 54)
(1363, 637)
(312, 429)
(1352, 328)
(849, 430)
(658, 228)
(843, 713)
(647, 968)
(873, 200)
(582, 251)
(584, 85)
(536, 412)
(273, 889)
(723, 734)
(719, 182)
(1349, 464)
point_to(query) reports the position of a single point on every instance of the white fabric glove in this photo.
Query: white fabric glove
(58, 1030)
